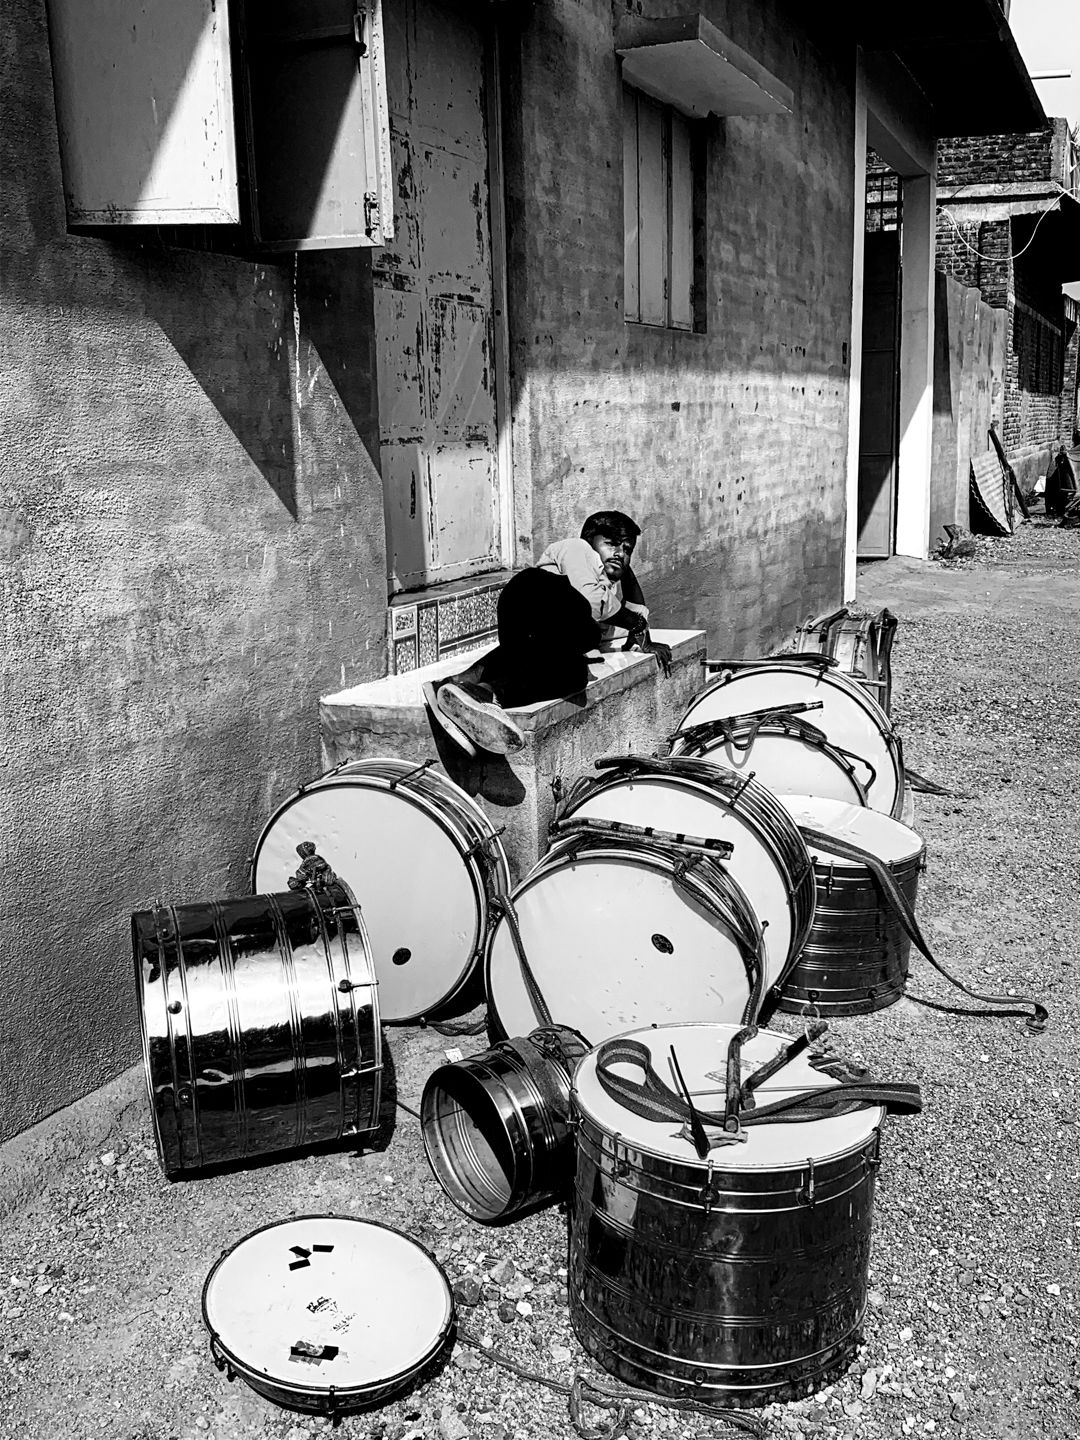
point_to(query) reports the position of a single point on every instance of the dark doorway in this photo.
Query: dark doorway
(879, 429)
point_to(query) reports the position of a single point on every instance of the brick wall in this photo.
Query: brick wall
(728, 446)
(989, 159)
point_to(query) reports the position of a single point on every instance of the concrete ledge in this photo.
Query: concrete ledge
(629, 705)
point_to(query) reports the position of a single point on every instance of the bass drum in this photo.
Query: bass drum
(785, 756)
(850, 718)
(614, 936)
(738, 1279)
(769, 861)
(260, 1025)
(420, 857)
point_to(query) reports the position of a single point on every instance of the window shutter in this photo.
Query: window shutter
(652, 213)
(682, 226)
(631, 259)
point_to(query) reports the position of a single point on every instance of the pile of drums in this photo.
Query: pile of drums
(684, 895)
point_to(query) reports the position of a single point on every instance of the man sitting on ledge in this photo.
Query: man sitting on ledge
(550, 618)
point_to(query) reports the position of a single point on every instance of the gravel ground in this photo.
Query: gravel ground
(972, 1329)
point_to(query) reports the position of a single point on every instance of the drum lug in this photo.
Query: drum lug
(872, 1161)
(708, 1194)
(219, 1359)
(805, 1195)
(483, 843)
(621, 1166)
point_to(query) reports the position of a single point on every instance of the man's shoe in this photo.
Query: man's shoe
(484, 722)
(460, 739)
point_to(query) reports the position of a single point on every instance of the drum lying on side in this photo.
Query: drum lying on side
(613, 939)
(851, 720)
(769, 861)
(496, 1126)
(857, 954)
(783, 758)
(417, 853)
(740, 1279)
(328, 1314)
(260, 1025)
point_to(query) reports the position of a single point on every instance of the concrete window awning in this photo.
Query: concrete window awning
(689, 64)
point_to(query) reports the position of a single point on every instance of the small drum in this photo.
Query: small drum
(851, 719)
(787, 756)
(416, 852)
(616, 935)
(328, 1314)
(260, 1025)
(769, 861)
(860, 645)
(739, 1279)
(496, 1126)
(856, 957)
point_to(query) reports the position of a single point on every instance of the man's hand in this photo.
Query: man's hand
(660, 650)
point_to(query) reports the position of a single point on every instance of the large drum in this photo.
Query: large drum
(260, 1025)
(416, 852)
(496, 1126)
(618, 934)
(861, 645)
(857, 954)
(789, 755)
(851, 719)
(740, 1278)
(769, 861)
(328, 1314)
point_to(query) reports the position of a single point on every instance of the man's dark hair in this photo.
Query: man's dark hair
(612, 525)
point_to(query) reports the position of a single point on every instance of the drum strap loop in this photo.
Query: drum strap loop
(504, 905)
(1036, 1014)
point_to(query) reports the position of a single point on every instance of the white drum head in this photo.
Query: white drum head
(787, 765)
(850, 718)
(690, 808)
(701, 1051)
(421, 901)
(324, 1301)
(883, 837)
(611, 942)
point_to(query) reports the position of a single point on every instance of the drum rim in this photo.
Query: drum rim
(773, 731)
(248, 1370)
(553, 860)
(581, 1116)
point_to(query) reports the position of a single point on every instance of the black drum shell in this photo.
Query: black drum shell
(496, 1126)
(260, 1026)
(737, 1287)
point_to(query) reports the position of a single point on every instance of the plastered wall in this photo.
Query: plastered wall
(191, 552)
(729, 447)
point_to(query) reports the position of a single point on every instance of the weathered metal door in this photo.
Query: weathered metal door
(433, 304)
(879, 411)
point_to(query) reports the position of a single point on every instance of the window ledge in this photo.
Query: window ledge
(686, 62)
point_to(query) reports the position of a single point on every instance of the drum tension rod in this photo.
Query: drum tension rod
(483, 842)
(410, 774)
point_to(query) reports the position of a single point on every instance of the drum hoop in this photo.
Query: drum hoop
(243, 1367)
(778, 729)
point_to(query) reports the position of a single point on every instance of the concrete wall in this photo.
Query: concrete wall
(729, 446)
(969, 374)
(191, 552)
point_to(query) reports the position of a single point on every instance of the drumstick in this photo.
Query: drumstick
(783, 1055)
(697, 1130)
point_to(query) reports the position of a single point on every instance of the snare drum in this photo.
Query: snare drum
(787, 757)
(851, 719)
(856, 956)
(328, 1314)
(260, 1025)
(417, 853)
(615, 936)
(739, 1279)
(769, 861)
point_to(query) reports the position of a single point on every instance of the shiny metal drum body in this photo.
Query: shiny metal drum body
(850, 718)
(856, 957)
(784, 757)
(769, 861)
(740, 1279)
(327, 1313)
(260, 1025)
(614, 936)
(417, 853)
(861, 645)
(496, 1126)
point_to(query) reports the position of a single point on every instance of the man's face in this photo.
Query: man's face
(615, 554)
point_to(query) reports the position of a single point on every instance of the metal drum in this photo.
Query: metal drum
(496, 1126)
(260, 1025)
(769, 861)
(861, 645)
(327, 1313)
(850, 718)
(785, 754)
(856, 957)
(615, 935)
(739, 1279)
(416, 852)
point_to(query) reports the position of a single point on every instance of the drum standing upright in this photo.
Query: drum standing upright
(417, 853)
